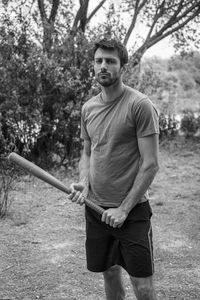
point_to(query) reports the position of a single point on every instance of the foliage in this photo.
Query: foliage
(8, 175)
(168, 126)
(19, 101)
(190, 123)
(187, 82)
(41, 97)
(178, 86)
(188, 67)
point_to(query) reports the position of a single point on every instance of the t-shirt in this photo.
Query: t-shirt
(113, 129)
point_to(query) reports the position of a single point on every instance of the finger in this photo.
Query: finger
(109, 220)
(72, 188)
(81, 199)
(76, 196)
(119, 225)
(112, 222)
(114, 225)
(71, 195)
(103, 218)
(106, 217)
(78, 187)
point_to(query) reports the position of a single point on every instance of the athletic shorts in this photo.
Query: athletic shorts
(129, 246)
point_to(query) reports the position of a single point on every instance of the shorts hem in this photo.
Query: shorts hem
(132, 274)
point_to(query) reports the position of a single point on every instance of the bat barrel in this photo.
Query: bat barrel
(37, 171)
(43, 175)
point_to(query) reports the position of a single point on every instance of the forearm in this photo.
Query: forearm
(142, 182)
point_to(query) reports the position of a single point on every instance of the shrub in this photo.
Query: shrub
(168, 126)
(190, 123)
(8, 173)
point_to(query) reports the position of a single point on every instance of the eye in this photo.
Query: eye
(111, 61)
(98, 61)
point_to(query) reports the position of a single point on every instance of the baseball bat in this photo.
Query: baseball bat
(45, 176)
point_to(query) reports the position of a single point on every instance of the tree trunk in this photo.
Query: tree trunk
(48, 24)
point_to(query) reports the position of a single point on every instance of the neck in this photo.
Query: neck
(111, 93)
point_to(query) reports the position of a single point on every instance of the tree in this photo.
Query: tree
(178, 19)
(81, 19)
(48, 23)
(163, 18)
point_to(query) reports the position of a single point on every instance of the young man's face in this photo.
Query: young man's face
(107, 67)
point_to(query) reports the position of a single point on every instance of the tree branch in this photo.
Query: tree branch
(83, 19)
(158, 37)
(95, 10)
(132, 25)
(78, 16)
(174, 19)
(54, 10)
(48, 23)
(158, 14)
(164, 32)
(42, 10)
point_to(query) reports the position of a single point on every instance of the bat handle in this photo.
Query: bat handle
(94, 206)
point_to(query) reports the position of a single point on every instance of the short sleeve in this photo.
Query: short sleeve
(146, 118)
(84, 133)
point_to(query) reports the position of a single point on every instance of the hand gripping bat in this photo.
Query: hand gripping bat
(43, 175)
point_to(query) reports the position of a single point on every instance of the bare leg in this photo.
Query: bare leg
(143, 288)
(113, 284)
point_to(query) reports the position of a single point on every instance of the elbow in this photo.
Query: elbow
(152, 167)
(155, 167)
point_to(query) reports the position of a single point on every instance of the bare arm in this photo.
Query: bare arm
(148, 148)
(79, 190)
(84, 163)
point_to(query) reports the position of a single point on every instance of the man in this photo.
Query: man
(118, 164)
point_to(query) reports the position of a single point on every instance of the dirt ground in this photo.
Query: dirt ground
(42, 253)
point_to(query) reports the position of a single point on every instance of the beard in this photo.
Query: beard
(105, 79)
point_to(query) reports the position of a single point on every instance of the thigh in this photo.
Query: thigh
(136, 248)
(101, 246)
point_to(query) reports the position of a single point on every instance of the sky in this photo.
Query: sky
(163, 49)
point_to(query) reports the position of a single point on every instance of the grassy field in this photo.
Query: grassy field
(42, 253)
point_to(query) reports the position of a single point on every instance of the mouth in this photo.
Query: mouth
(103, 74)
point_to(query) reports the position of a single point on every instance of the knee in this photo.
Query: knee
(145, 291)
(111, 273)
(144, 287)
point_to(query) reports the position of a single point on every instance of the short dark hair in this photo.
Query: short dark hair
(112, 44)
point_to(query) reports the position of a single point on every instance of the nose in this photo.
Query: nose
(103, 65)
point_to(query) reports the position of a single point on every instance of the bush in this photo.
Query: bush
(168, 126)
(41, 98)
(190, 123)
(7, 172)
